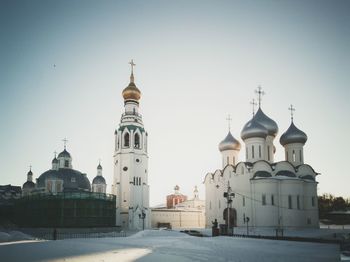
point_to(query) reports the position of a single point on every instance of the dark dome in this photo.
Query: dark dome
(267, 122)
(30, 172)
(293, 135)
(73, 180)
(99, 180)
(285, 173)
(28, 184)
(253, 129)
(64, 153)
(262, 173)
(229, 143)
(55, 160)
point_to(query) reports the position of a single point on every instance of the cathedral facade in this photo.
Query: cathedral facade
(260, 191)
(130, 182)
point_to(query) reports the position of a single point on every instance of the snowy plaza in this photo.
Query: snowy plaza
(164, 245)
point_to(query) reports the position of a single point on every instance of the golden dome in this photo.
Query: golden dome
(131, 92)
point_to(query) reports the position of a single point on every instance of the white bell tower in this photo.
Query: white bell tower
(130, 183)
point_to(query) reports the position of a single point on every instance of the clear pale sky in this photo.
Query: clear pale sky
(197, 61)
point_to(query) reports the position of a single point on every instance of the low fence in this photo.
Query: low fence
(290, 238)
(56, 234)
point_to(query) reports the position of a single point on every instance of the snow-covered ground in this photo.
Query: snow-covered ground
(163, 245)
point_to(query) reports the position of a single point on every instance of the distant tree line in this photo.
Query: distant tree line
(328, 203)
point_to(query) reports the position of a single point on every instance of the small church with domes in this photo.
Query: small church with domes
(261, 191)
(63, 178)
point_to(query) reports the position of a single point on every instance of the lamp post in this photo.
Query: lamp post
(143, 216)
(228, 195)
(246, 221)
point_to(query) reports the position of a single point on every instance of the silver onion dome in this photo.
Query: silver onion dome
(229, 143)
(293, 135)
(253, 129)
(267, 122)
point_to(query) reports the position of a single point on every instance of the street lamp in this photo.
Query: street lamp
(143, 216)
(246, 221)
(228, 195)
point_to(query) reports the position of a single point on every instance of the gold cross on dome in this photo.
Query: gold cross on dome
(253, 103)
(260, 94)
(132, 65)
(291, 109)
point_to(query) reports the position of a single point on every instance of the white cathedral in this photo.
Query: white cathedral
(270, 194)
(130, 181)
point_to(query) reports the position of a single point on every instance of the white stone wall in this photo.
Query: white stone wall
(178, 218)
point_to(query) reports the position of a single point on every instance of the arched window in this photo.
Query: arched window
(293, 156)
(252, 151)
(126, 140)
(259, 150)
(268, 153)
(137, 141)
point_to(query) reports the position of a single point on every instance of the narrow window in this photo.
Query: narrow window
(287, 156)
(246, 153)
(259, 151)
(272, 200)
(66, 163)
(243, 201)
(300, 156)
(290, 202)
(126, 140)
(139, 181)
(313, 201)
(263, 200)
(228, 160)
(293, 156)
(134, 180)
(268, 153)
(137, 141)
(219, 203)
(252, 151)
(298, 202)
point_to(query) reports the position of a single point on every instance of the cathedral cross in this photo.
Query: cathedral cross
(30, 167)
(229, 119)
(65, 142)
(291, 109)
(260, 94)
(132, 65)
(253, 103)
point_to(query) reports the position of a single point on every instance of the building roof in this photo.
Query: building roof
(293, 135)
(253, 129)
(64, 153)
(229, 143)
(73, 180)
(99, 180)
(267, 122)
(28, 185)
